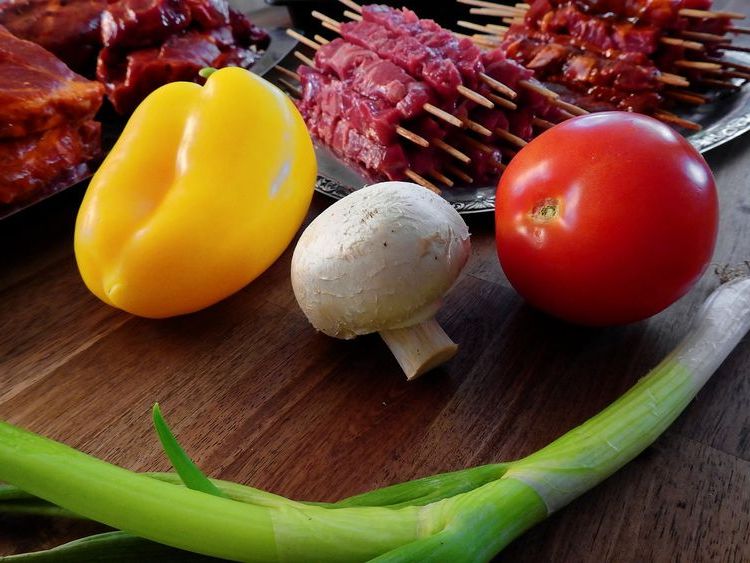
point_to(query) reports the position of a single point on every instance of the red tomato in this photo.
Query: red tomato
(606, 219)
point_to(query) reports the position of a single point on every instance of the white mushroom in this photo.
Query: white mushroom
(380, 260)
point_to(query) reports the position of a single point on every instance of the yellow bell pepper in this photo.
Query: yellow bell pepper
(202, 192)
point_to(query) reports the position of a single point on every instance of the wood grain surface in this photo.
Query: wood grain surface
(257, 397)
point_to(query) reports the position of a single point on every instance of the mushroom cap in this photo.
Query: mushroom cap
(381, 258)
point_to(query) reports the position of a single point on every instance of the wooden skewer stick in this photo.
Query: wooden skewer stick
(686, 97)
(731, 64)
(444, 115)
(287, 72)
(673, 79)
(523, 6)
(502, 102)
(322, 17)
(671, 118)
(498, 29)
(302, 39)
(458, 173)
(293, 90)
(440, 177)
(493, 6)
(737, 29)
(539, 89)
(540, 123)
(713, 82)
(492, 12)
(307, 60)
(417, 179)
(690, 45)
(320, 39)
(353, 16)
(453, 151)
(474, 96)
(697, 65)
(413, 137)
(351, 4)
(729, 47)
(479, 41)
(498, 86)
(706, 14)
(574, 109)
(477, 145)
(331, 26)
(734, 74)
(477, 127)
(510, 137)
(701, 36)
(492, 41)
(474, 26)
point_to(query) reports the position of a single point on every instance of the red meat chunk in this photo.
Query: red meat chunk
(130, 78)
(141, 23)
(37, 90)
(47, 160)
(374, 77)
(67, 28)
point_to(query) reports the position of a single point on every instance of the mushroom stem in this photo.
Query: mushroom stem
(419, 348)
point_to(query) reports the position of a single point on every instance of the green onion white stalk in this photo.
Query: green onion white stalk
(463, 516)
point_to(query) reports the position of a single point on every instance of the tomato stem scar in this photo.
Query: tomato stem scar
(546, 210)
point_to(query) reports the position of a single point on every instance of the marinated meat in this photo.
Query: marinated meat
(356, 128)
(624, 81)
(366, 98)
(47, 160)
(442, 43)
(374, 77)
(408, 53)
(134, 46)
(68, 28)
(130, 78)
(142, 23)
(38, 92)
(149, 43)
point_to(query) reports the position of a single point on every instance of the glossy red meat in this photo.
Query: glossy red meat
(141, 23)
(153, 42)
(67, 28)
(441, 43)
(130, 78)
(208, 14)
(625, 81)
(408, 53)
(37, 90)
(371, 76)
(44, 161)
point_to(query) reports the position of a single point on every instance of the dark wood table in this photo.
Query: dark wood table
(256, 396)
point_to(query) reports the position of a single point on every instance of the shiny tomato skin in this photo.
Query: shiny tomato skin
(606, 219)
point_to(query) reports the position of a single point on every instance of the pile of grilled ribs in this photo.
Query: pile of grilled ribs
(646, 56)
(401, 97)
(128, 47)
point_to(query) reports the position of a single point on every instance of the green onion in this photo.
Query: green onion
(183, 465)
(467, 516)
(114, 547)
